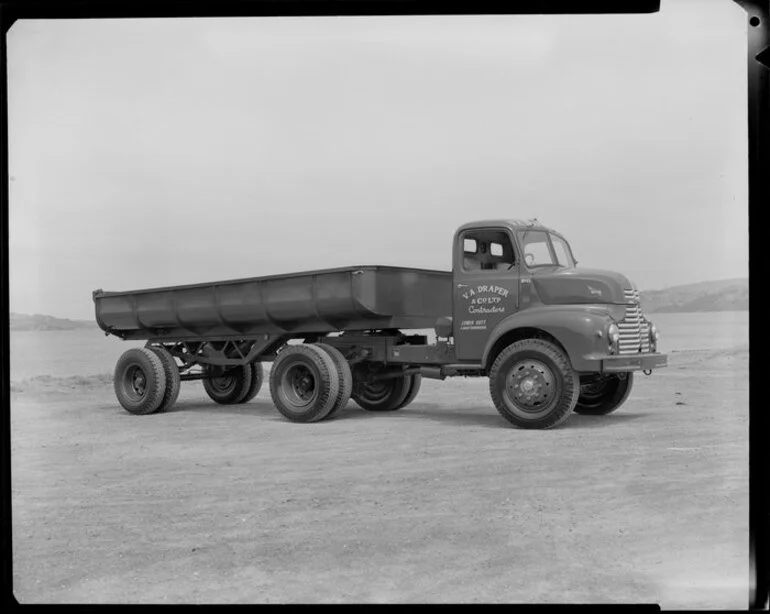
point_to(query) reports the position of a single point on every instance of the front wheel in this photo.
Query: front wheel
(533, 384)
(602, 395)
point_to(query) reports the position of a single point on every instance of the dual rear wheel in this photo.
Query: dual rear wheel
(309, 383)
(235, 385)
(140, 381)
(147, 381)
(386, 394)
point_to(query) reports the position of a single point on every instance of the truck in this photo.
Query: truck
(551, 337)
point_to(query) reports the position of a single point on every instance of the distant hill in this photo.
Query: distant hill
(22, 321)
(724, 295)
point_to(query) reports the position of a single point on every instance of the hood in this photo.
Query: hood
(574, 286)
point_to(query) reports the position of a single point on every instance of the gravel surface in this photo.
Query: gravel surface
(442, 502)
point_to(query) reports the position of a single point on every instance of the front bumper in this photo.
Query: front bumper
(633, 362)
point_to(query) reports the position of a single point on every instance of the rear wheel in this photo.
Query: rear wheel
(533, 384)
(139, 381)
(228, 387)
(257, 377)
(171, 371)
(602, 395)
(380, 395)
(304, 383)
(344, 375)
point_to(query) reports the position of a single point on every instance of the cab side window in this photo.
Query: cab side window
(487, 250)
(471, 261)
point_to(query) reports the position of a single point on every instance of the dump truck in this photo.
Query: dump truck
(552, 337)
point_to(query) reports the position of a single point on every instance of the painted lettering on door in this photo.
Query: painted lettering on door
(482, 299)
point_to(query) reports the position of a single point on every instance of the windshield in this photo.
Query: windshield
(545, 249)
(562, 251)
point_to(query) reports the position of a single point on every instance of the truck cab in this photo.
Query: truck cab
(514, 278)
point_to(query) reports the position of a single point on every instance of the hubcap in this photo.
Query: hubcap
(137, 381)
(299, 384)
(222, 384)
(530, 385)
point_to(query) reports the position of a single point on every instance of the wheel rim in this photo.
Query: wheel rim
(530, 387)
(223, 384)
(376, 392)
(299, 385)
(135, 383)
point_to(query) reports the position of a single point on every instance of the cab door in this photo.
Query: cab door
(486, 282)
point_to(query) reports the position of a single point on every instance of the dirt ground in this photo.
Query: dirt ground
(440, 502)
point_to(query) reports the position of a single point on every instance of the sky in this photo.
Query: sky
(154, 152)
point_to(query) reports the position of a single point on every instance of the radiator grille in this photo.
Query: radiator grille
(634, 330)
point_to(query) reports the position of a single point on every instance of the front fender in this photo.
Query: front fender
(576, 328)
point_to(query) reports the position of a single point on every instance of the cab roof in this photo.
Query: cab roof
(514, 224)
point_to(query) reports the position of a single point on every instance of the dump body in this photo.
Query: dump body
(351, 298)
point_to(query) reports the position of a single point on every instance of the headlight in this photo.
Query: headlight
(654, 336)
(613, 337)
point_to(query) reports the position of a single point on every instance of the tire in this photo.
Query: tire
(345, 377)
(414, 388)
(139, 381)
(603, 397)
(304, 383)
(383, 395)
(533, 384)
(257, 378)
(171, 371)
(230, 387)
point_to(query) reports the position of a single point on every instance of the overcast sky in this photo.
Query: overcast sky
(162, 152)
